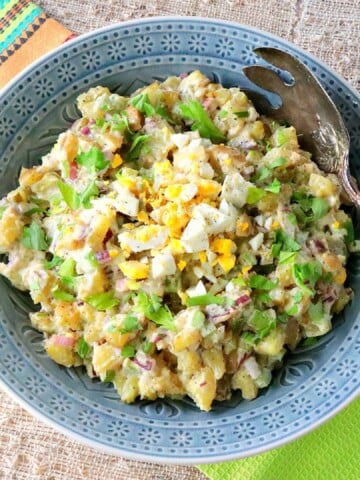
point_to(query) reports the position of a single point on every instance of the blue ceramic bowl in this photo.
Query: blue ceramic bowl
(313, 384)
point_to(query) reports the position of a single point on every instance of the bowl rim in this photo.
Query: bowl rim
(146, 456)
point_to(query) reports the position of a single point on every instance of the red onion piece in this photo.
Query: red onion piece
(62, 340)
(85, 130)
(243, 300)
(207, 102)
(159, 337)
(242, 360)
(121, 285)
(320, 247)
(183, 75)
(73, 170)
(146, 366)
(202, 384)
(103, 256)
(329, 299)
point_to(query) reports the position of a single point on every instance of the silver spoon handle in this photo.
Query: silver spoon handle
(349, 183)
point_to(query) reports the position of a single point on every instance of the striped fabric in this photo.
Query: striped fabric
(26, 33)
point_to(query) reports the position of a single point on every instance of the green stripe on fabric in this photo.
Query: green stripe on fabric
(19, 24)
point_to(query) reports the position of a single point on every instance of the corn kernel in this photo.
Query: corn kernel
(242, 228)
(129, 226)
(117, 161)
(143, 217)
(181, 265)
(340, 277)
(336, 225)
(275, 225)
(202, 257)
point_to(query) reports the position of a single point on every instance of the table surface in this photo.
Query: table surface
(330, 29)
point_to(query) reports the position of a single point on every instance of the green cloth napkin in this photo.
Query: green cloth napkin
(331, 452)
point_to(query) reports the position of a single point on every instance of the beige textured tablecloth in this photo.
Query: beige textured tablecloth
(330, 29)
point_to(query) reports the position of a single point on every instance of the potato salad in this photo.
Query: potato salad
(177, 243)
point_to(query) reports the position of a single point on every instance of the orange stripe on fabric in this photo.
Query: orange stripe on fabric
(51, 34)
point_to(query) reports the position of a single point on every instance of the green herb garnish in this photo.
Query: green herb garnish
(254, 195)
(92, 160)
(262, 323)
(198, 319)
(193, 110)
(153, 309)
(147, 347)
(130, 324)
(109, 377)
(206, 299)
(54, 262)
(243, 114)
(350, 232)
(103, 300)
(307, 274)
(62, 295)
(287, 257)
(34, 237)
(128, 351)
(274, 186)
(260, 282)
(83, 348)
(70, 196)
(138, 143)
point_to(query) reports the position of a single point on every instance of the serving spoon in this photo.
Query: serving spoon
(308, 107)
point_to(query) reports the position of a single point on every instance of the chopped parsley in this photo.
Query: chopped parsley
(198, 319)
(130, 324)
(54, 262)
(34, 237)
(243, 114)
(307, 274)
(70, 196)
(103, 300)
(287, 257)
(283, 242)
(92, 160)
(260, 282)
(83, 348)
(128, 351)
(109, 377)
(153, 309)
(193, 110)
(274, 186)
(73, 199)
(350, 232)
(254, 195)
(62, 295)
(262, 323)
(206, 299)
(142, 103)
(138, 143)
